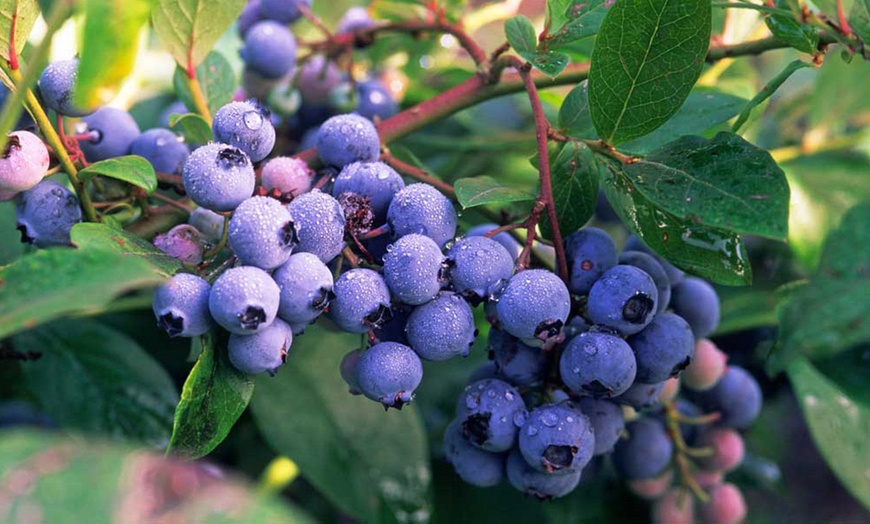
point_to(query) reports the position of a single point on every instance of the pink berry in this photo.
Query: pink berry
(728, 449)
(653, 488)
(22, 164)
(677, 506)
(183, 242)
(706, 368)
(708, 479)
(670, 389)
(287, 175)
(726, 506)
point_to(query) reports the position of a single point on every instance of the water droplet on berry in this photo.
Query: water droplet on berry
(253, 120)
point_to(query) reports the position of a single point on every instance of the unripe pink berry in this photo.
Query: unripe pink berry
(677, 506)
(653, 488)
(728, 449)
(670, 390)
(22, 164)
(726, 506)
(707, 366)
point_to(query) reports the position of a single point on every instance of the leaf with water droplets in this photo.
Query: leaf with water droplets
(88, 235)
(582, 19)
(483, 190)
(132, 169)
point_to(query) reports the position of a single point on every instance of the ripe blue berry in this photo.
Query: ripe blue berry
(261, 233)
(247, 126)
(491, 411)
(362, 301)
(675, 275)
(420, 208)
(284, 11)
(46, 214)
(473, 465)
(166, 151)
(375, 180)
(606, 420)
(412, 269)
(695, 300)
(663, 349)
(389, 373)
(649, 265)
(207, 222)
(624, 298)
(646, 452)
(287, 175)
(597, 364)
(306, 288)
(23, 163)
(442, 329)
(641, 395)
(319, 223)
(244, 300)
(183, 242)
(534, 306)
(737, 398)
(316, 79)
(590, 252)
(249, 16)
(375, 100)
(264, 351)
(181, 306)
(355, 19)
(218, 177)
(112, 132)
(269, 50)
(504, 238)
(542, 486)
(56, 87)
(556, 439)
(479, 266)
(348, 369)
(345, 139)
(520, 364)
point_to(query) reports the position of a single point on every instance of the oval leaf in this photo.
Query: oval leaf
(725, 182)
(372, 464)
(216, 79)
(213, 398)
(647, 57)
(25, 13)
(132, 169)
(583, 19)
(190, 28)
(193, 126)
(90, 236)
(575, 173)
(482, 190)
(574, 118)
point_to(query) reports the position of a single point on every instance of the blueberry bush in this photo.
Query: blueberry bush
(434, 261)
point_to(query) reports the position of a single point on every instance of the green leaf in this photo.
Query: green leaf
(802, 37)
(838, 424)
(25, 13)
(647, 57)
(11, 246)
(828, 315)
(483, 190)
(77, 479)
(132, 169)
(711, 253)
(768, 90)
(372, 464)
(725, 182)
(216, 79)
(584, 18)
(89, 237)
(521, 36)
(111, 39)
(574, 118)
(194, 128)
(859, 19)
(745, 309)
(53, 283)
(95, 379)
(702, 110)
(214, 396)
(575, 173)
(190, 28)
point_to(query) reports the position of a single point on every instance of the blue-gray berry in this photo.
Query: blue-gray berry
(165, 150)
(422, 209)
(319, 223)
(362, 301)
(244, 300)
(247, 126)
(181, 306)
(56, 87)
(111, 134)
(442, 328)
(412, 269)
(269, 50)
(306, 288)
(556, 438)
(479, 266)
(625, 299)
(389, 373)
(534, 306)
(263, 352)
(345, 139)
(218, 177)
(472, 464)
(376, 180)
(261, 233)
(491, 411)
(46, 214)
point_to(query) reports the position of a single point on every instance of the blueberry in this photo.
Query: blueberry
(389, 373)
(374, 100)
(556, 439)
(534, 306)
(244, 300)
(641, 395)
(261, 233)
(284, 11)
(306, 288)
(695, 300)
(183, 242)
(412, 269)
(181, 306)
(46, 214)
(473, 465)
(420, 208)
(345, 139)
(375, 180)
(442, 329)
(264, 351)
(737, 398)
(520, 364)
(165, 150)
(491, 412)
(590, 252)
(269, 50)
(479, 266)
(542, 486)
(663, 349)
(504, 238)
(218, 177)
(209, 223)
(362, 301)
(247, 126)
(597, 364)
(646, 452)
(309, 138)
(319, 223)
(111, 134)
(56, 88)
(317, 78)
(624, 299)
(355, 19)
(249, 16)
(606, 420)
(348, 370)
(675, 275)
(649, 265)
(23, 163)
(287, 175)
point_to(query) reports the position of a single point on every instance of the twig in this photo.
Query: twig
(418, 174)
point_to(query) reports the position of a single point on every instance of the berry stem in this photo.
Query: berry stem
(222, 242)
(314, 19)
(199, 100)
(175, 203)
(682, 451)
(418, 174)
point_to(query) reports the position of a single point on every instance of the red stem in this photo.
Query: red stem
(841, 16)
(418, 174)
(13, 55)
